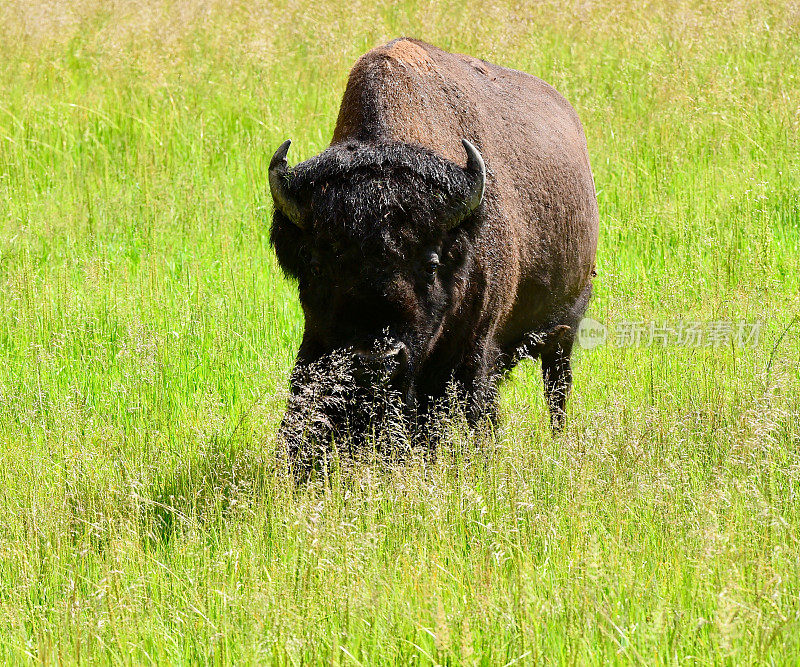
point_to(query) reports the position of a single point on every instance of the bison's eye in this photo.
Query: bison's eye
(432, 266)
(314, 266)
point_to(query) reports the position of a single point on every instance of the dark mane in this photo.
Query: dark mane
(367, 181)
(361, 190)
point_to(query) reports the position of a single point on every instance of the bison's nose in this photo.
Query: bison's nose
(386, 363)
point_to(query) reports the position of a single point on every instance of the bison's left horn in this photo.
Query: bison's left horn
(279, 185)
(476, 174)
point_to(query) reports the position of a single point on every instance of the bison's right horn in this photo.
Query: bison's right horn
(476, 174)
(278, 184)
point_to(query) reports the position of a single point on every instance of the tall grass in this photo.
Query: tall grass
(146, 335)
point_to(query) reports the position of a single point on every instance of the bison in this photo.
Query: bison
(449, 231)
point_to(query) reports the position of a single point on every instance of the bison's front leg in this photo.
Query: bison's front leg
(476, 381)
(557, 375)
(481, 403)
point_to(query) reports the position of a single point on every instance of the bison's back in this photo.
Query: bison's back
(540, 238)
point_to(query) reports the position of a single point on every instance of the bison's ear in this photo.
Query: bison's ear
(280, 185)
(475, 172)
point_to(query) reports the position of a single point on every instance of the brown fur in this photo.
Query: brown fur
(540, 191)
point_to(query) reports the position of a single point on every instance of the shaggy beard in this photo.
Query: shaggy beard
(329, 414)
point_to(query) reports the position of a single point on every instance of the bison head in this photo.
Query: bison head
(378, 238)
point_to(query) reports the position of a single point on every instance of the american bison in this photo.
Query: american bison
(448, 231)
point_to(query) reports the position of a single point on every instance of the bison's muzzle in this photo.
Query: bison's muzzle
(387, 363)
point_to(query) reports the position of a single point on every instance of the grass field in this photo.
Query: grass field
(146, 336)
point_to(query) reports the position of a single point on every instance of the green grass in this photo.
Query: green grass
(146, 336)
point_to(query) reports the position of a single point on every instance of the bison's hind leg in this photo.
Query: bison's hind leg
(554, 347)
(557, 375)
(556, 365)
